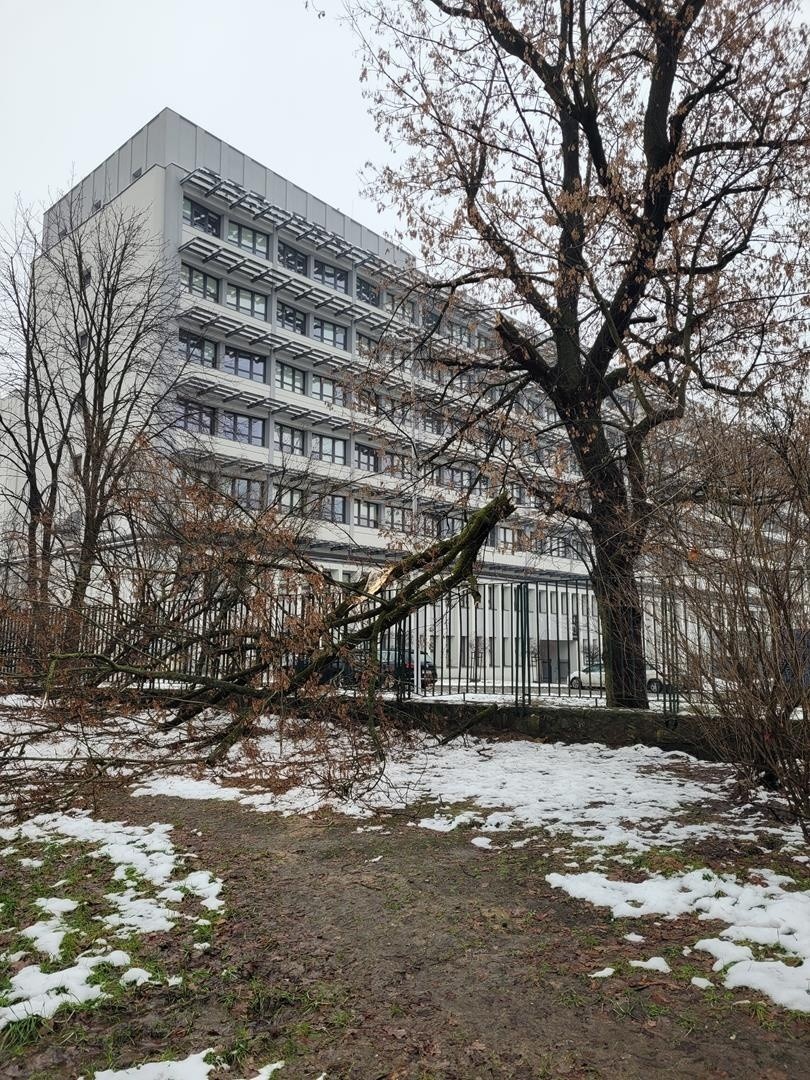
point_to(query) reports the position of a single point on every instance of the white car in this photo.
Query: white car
(594, 676)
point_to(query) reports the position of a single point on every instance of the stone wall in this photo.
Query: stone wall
(614, 727)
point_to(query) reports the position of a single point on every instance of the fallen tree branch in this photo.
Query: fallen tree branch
(419, 579)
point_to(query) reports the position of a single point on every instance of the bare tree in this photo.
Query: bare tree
(736, 559)
(90, 374)
(624, 183)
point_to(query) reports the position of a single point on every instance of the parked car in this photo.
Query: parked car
(398, 665)
(593, 676)
(338, 671)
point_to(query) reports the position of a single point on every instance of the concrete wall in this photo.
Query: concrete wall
(613, 727)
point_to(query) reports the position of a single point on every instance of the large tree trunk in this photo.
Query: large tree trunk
(621, 617)
(616, 542)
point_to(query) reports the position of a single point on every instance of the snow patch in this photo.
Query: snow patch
(607, 797)
(140, 855)
(194, 1067)
(760, 911)
(37, 993)
(655, 963)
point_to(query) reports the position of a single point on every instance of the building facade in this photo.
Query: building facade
(283, 298)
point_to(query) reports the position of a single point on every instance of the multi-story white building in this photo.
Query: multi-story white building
(283, 297)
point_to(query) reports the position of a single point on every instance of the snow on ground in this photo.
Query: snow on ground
(194, 1067)
(632, 799)
(148, 885)
(760, 914)
(629, 796)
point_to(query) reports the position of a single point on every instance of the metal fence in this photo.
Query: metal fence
(527, 640)
(517, 640)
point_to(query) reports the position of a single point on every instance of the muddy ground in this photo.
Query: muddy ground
(436, 961)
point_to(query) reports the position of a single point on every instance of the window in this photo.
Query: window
(247, 301)
(327, 390)
(460, 479)
(366, 514)
(197, 349)
(330, 275)
(367, 291)
(333, 508)
(564, 603)
(366, 346)
(328, 448)
(290, 378)
(200, 217)
(290, 500)
(366, 458)
(431, 371)
(397, 517)
(258, 243)
(391, 408)
(292, 258)
(431, 524)
(434, 423)
(289, 440)
(404, 309)
(199, 284)
(291, 318)
(458, 333)
(506, 538)
(395, 465)
(243, 429)
(329, 333)
(244, 364)
(365, 400)
(248, 493)
(191, 416)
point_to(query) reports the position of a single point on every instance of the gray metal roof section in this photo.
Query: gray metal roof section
(171, 139)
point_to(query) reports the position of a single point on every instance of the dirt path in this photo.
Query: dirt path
(437, 961)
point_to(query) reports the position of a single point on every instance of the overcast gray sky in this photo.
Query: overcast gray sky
(78, 77)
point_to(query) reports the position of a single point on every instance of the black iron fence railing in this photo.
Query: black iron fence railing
(521, 640)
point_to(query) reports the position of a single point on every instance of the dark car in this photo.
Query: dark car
(397, 665)
(337, 670)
